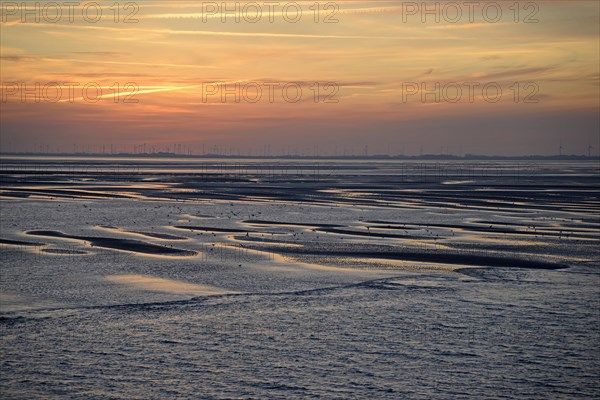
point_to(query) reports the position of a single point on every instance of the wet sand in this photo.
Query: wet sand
(134, 246)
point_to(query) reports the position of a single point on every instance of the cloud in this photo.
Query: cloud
(514, 73)
(164, 31)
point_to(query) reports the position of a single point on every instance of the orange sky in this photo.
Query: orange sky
(365, 59)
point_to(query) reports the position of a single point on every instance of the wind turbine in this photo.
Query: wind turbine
(560, 148)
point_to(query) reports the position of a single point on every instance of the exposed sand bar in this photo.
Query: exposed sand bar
(263, 222)
(208, 229)
(135, 246)
(150, 235)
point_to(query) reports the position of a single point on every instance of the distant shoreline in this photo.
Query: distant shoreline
(424, 157)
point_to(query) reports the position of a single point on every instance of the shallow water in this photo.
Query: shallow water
(247, 280)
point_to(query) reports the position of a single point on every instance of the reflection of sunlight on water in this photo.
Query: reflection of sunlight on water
(506, 240)
(287, 262)
(156, 284)
(457, 182)
(402, 264)
(186, 215)
(11, 302)
(148, 235)
(241, 247)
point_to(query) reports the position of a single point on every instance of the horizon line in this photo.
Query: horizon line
(429, 156)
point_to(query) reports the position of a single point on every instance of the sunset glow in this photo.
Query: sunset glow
(171, 73)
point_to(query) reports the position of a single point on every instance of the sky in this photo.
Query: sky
(306, 78)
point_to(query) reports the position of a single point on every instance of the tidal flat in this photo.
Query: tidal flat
(275, 278)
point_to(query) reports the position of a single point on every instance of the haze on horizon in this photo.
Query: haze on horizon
(355, 75)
